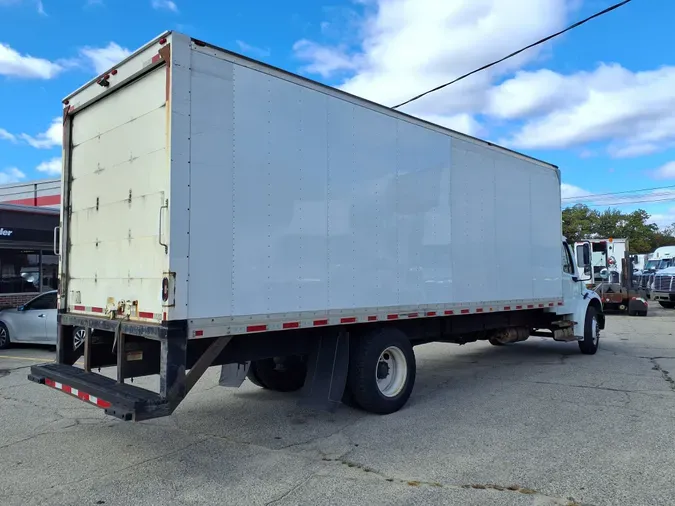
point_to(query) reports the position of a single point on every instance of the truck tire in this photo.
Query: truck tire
(281, 374)
(381, 371)
(667, 305)
(495, 342)
(589, 344)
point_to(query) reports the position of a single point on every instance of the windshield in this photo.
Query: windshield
(657, 265)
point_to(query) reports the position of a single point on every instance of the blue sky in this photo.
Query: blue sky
(599, 101)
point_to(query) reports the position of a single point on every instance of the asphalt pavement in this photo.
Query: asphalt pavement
(535, 423)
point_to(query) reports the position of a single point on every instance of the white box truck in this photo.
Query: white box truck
(218, 211)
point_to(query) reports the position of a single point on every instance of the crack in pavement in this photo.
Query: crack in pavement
(569, 501)
(664, 374)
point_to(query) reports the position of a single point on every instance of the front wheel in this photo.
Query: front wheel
(79, 334)
(589, 344)
(382, 371)
(4, 337)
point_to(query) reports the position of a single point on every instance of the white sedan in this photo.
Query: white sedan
(34, 323)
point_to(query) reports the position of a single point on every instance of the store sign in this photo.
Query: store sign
(26, 235)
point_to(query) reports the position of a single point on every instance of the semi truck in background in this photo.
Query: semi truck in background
(660, 259)
(613, 276)
(345, 233)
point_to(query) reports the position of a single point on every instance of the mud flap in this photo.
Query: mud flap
(233, 375)
(327, 367)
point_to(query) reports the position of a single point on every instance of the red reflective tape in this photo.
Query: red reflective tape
(66, 389)
(156, 58)
(348, 319)
(372, 318)
(519, 307)
(199, 333)
(392, 317)
(164, 316)
(50, 383)
(79, 308)
(83, 395)
(550, 304)
(431, 313)
(413, 315)
(291, 325)
(464, 311)
(256, 328)
(145, 314)
(96, 309)
(541, 305)
(479, 310)
(448, 312)
(318, 323)
(102, 404)
(530, 306)
(507, 308)
(560, 303)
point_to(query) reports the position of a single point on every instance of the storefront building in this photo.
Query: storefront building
(28, 265)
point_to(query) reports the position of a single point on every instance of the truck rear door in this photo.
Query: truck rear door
(117, 173)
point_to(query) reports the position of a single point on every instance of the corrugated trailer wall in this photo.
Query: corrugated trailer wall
(327, 203)
(42, 193)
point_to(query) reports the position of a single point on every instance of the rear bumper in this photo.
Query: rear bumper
(663, 296)
(120, 400)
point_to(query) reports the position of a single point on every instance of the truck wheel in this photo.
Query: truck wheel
(495, 342)
(4, 337)
(281, 374)
(382, 371)
(667, 305)
(589, 344)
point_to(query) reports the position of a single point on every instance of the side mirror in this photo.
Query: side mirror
(584, 262)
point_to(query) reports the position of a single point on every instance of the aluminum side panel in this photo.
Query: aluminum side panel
(304, 202)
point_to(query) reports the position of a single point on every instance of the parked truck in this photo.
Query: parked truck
(218, 211)
(614, 278)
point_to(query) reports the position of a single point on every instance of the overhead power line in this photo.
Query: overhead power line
(541, 41)
(629, 202)
(592, 196)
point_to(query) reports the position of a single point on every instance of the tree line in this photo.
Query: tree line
(580, 222)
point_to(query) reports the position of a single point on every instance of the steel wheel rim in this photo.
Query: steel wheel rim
(3, 336)
(596, 331)
(78, 338)
(391, 372)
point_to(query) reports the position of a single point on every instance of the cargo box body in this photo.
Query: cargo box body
(203, 186)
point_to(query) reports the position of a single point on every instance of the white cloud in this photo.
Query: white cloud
(51, 138)
(104, 58)
(632, 111)
(569, 191)
(11, 175)
(168, 5)
(666, 171)
(15, 64)
(258, 52)
(51, 167)
(408, 46)
(7, 136)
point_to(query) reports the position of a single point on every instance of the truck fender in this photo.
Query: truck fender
(590, 298)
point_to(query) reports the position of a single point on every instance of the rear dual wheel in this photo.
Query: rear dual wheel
(281, 374)
(382, 371)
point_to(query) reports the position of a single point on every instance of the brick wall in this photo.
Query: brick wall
(15, 299)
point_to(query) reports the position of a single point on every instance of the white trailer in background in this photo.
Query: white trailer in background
(219, 211)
